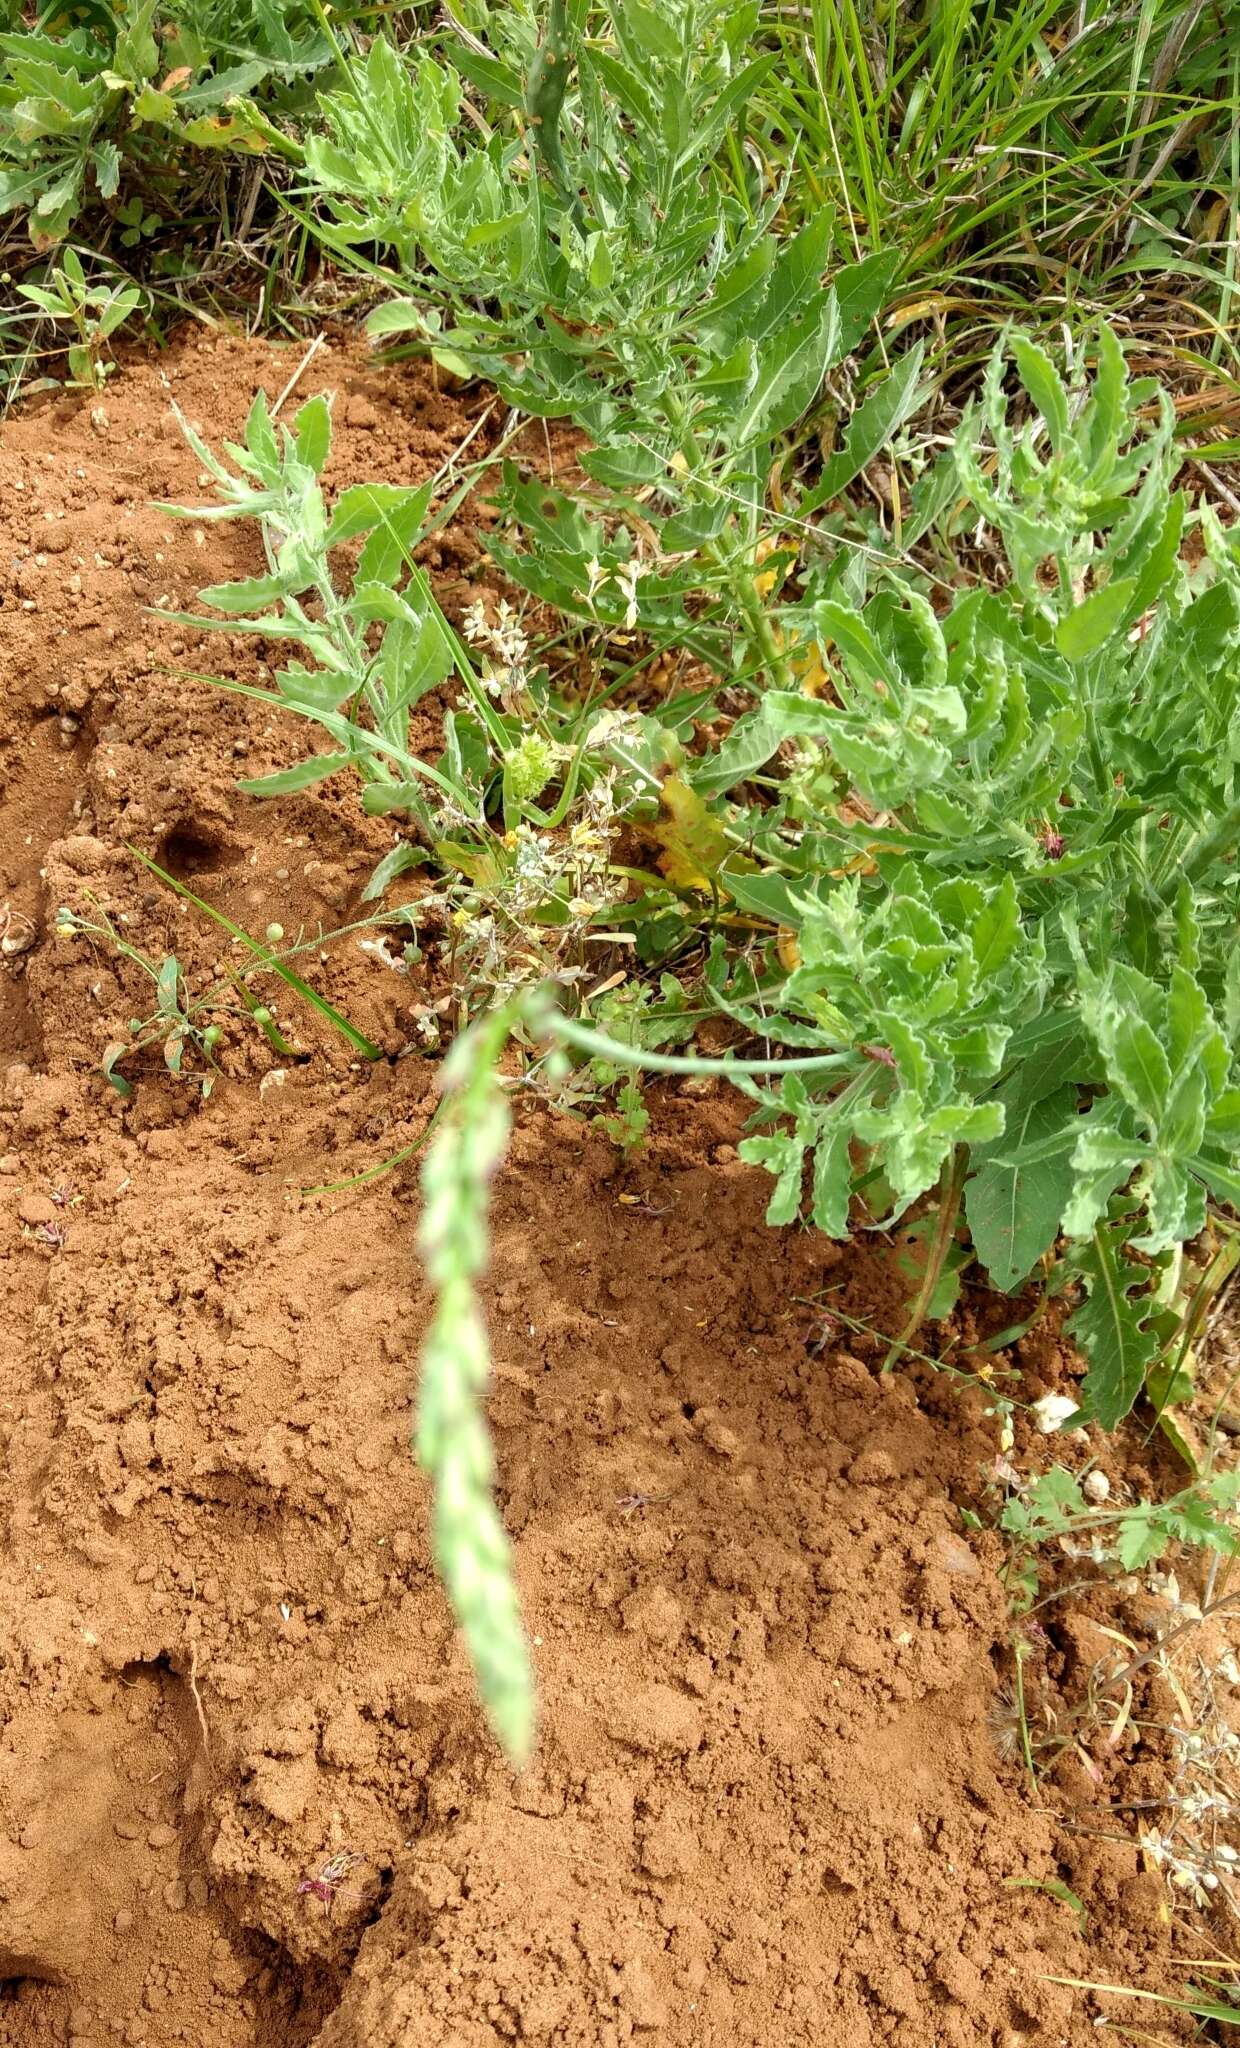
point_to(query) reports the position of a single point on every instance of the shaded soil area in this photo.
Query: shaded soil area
(771, 1803)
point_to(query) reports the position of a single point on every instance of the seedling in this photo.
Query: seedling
(178, 1023)
(93, 311)
(183, 1022)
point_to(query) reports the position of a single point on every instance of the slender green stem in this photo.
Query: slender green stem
(1021, 1651)
(601, 1047)
(1204, 848)
(951, 1188)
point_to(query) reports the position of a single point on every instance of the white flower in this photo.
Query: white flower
(627, 575)
(1052, 1411)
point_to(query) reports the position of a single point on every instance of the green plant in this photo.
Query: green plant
(1125, 1537)
(1215, 2000)
(614, 280)
(361, 694)
(124, 93)
(526, 897)
(973, 806)
(1037, 959)
(93, 311)
(1012, 952)
(471, 1547)
(135, 222)
(1018, 153)
(635, 1016)
(265, 959)
(181, 1022)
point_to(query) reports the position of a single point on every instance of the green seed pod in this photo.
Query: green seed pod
(262, 1015)
(212, 1036)
(275, 932)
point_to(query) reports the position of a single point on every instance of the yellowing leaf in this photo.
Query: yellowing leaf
(477, 863)
(694, 845)
(221, 131)
(807, 666)
(765, 580)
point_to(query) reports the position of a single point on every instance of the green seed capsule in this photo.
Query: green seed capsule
(212, 1036)
(262, 1016)
(275, 932)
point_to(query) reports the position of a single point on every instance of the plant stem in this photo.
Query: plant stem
(1020, 1651)
(553, 1024)
(1208, 846)
(951, 1187)
(740, 579)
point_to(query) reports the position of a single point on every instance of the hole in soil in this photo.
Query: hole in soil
(688, 1409)
(187, 851)
(25, 1980)
(33, 2009)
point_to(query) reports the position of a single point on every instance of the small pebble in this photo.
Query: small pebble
(175, 1896)
(127, 1828)
(1096, 1487)
(162, 1837)
(123, 1923)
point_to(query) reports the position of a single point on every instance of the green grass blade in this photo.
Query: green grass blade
(357, 1039)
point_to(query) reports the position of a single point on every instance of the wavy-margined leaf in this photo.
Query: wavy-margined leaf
(996, 929)
(789, 368)
(783, 1155)
(868, 432)
(796, 277)
(397, 861)
(1082, 631)
(1111, 1326)
(250, 594)
(312, 429)
(861, 291)
(1045, 386)
(1014, 1212)
(781, 715)
(1103, 1159)
(303, 775)
(832, 1177)
(362, 507)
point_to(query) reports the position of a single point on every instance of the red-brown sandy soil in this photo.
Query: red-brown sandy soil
(768, 1806)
